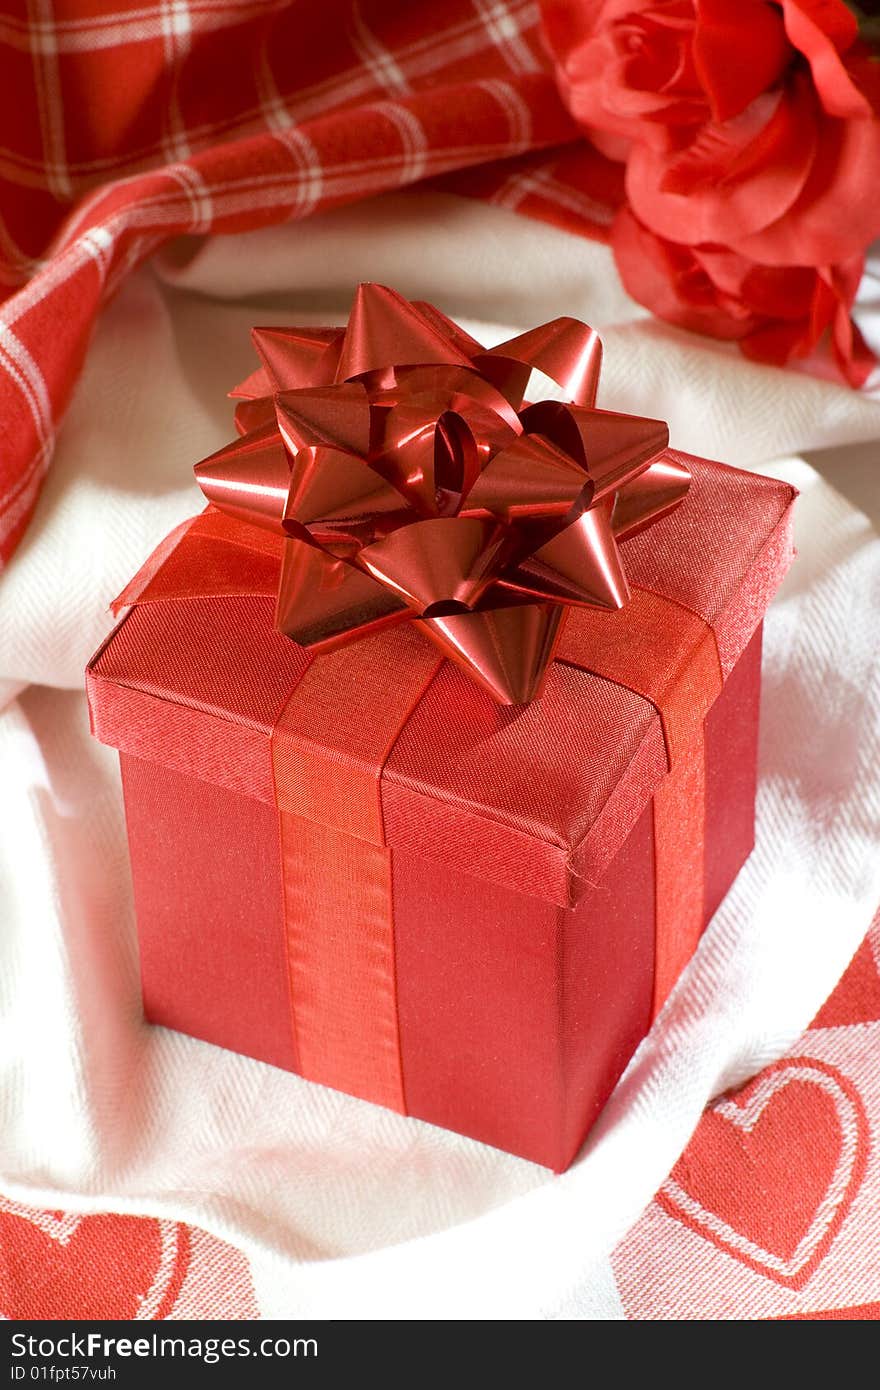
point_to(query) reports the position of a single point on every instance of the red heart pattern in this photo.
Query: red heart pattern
(771, 1172)
(59, 1266)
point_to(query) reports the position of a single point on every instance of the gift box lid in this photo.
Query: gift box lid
(538, 797)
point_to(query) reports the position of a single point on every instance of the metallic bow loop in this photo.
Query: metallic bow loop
(412, 479)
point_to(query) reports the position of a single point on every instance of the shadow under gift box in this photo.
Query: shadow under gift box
(493, 962)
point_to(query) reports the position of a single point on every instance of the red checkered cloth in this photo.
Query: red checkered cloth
(128, 123)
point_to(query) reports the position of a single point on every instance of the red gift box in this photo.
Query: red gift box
(356, 864)
(520, 847)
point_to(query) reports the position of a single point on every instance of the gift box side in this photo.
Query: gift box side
(732, 731)
(206, 874)
(489, 989)
(479, 968)
(591, 986)
(516, 1017)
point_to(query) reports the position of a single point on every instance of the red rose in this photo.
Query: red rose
(743, 123)
(775, 313)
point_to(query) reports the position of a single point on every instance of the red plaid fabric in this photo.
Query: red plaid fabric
(128, 123)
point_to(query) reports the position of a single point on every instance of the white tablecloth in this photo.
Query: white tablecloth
(347, 1210)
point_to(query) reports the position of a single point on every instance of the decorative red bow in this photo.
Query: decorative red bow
(412, 479)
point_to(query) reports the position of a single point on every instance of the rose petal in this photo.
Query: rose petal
(775, 313)
(822, 30)
(740, 51)
(837, 213)
(738, 177)
(784, 292)
(669, 280)
(612, 91)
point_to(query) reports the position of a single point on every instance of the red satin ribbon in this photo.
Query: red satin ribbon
(328, 751)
